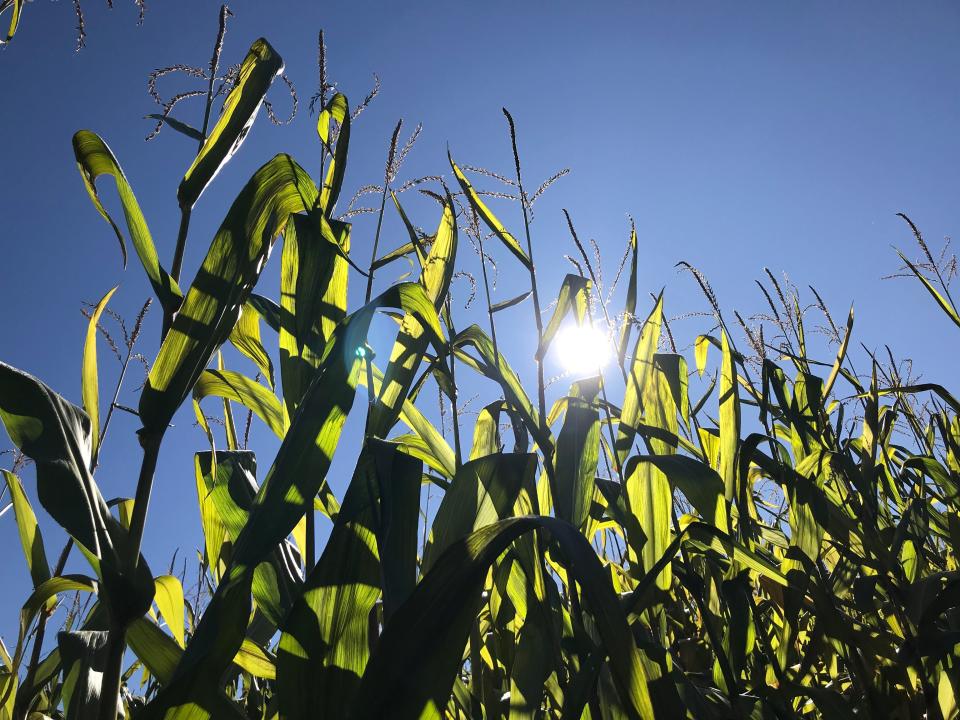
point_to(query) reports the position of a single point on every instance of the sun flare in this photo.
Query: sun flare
(583, 349)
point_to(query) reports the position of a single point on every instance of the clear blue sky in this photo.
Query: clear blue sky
(739, 135)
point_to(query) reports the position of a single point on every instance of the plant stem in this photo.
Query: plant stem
(453, 381)
(95, 461)
(118, 632)
(538, 319)
(25, 694)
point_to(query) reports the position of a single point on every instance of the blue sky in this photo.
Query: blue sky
(739, 135)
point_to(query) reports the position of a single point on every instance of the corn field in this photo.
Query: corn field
(747, 532)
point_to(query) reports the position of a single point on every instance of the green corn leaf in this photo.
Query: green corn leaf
(84, 656)
(640, 369)
(841, 356)
(30, 538)
(298, 474)
(489, 219)
(268, 309)
(411, 342)
(944, 303)
(313, 296)
(486, 431)
(178, 125)
(398, 479)
(503, 305)
(257, 71)
(495, 367)
(94, 159)
(483, 491)
(416, 242)
(338, 109)
(256, 661)
(573, 297)
(169, 599)
(230, 270)
(89, 385)
(42, 598)
(729, 420)
(232, 488)
(436, 452)
(708, 537)
(576, 457)
(412, 672)
(240, 389)
(245, 337)
(630, 304)
(158, 652)
(17, 9)
(55, 434)
(699, 483)
(325, 645)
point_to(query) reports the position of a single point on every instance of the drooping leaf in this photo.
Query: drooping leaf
(241, 389)
(16, 10)
(94, 159)
(55, 434)
(178, 125)
(483, 491)
(245, 337)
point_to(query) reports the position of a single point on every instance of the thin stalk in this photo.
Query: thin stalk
(23, 700)
(486, 289)
(391, 155)
(535, 294)
(453, 381)
(118, 632)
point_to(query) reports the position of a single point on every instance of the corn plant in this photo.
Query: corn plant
(756, 534)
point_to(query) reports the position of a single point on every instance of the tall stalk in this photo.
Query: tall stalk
(535, 295)
(118, 632)
(387, 177)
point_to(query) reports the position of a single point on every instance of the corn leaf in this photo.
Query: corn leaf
(30, 538)
(94, 159)
(489, 219)
(223, 283)
(412, 672)
(89, 385)
(256, 73)
(55, 434)
(573, 297)
(241, 389)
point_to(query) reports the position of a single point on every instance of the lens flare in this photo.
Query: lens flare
(582, 349)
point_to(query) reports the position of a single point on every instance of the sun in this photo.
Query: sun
(583, 349)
